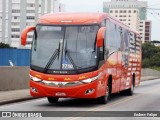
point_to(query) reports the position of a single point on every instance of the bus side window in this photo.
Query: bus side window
(102, 49)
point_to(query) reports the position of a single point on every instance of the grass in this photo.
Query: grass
(156, 68)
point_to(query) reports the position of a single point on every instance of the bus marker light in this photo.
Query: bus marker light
(89, 91)
(34, 90)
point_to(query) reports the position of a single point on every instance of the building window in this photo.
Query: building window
(116, 11)
(124, 11)
(15, 11)
(147, 27)
(146, 34)
(15, 23)
(30, 17)
(29, 42)
(16, 17)
(129, 20)
(15, 30)
(147, 38)
(129, 11)
(135, 11)
(147, 23)
(30, 11)
(30, 5)
(14, 36)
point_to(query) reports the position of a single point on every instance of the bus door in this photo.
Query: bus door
(125, 58)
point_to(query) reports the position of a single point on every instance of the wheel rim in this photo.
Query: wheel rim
(132, 88)
(107, 92)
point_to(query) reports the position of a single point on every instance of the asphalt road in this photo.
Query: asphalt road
(146, 97)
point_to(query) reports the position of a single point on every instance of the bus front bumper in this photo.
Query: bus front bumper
(90, 90)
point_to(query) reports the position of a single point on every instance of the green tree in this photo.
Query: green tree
(148, 50)
(3, 45)
(150, 56)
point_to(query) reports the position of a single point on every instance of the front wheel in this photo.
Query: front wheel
(52, 99)
(104, 99)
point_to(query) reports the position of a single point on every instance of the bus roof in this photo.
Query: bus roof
(72, 18)
(68, 18)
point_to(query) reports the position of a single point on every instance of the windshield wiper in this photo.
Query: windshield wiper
(70, 58)
(52, 59)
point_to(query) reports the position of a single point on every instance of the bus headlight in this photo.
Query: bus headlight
(89, 80)
(35, 79)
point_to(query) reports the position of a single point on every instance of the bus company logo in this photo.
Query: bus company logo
(60, 84)
(6, 114)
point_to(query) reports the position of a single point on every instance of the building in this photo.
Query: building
(129, 17)
(131, 12)
(145, 30)
(15, 15)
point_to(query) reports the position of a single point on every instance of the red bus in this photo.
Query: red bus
(83, 55)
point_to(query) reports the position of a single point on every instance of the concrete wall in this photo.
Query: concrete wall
(12, 78)
(150, 72)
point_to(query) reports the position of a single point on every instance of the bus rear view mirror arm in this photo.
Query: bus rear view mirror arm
(24, 34)
(100, 37)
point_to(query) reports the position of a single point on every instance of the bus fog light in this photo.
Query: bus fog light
(89, 91)
(34, 90)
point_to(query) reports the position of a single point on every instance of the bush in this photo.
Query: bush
(3, 45)
(150, 56)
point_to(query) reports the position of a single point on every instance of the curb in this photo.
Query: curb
(18, 100)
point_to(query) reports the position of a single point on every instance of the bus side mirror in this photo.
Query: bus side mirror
(24, 34)
(100, 37)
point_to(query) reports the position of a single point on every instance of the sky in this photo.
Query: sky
(97, 6)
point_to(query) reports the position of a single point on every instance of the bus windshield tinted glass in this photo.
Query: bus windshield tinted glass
(64, 47)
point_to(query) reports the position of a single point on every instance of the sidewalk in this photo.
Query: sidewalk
(14, 96)
(21, 95)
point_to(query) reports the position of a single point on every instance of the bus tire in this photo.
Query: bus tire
(130, 91)
(52, 99)
(104, 99)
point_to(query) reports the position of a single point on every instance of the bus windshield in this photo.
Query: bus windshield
(64, 48)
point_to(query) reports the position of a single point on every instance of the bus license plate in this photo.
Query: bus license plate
(61, 94)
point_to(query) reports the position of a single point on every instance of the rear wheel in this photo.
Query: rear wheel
(130, 91)
(52, 99)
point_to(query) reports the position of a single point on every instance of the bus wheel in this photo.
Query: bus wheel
(130, 91)
(52, 99)
(104, 99)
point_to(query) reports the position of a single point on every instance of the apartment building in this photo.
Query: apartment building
(15, 15)
(131, 12)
